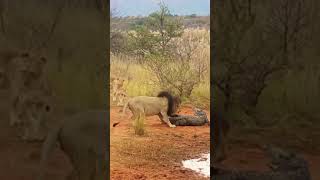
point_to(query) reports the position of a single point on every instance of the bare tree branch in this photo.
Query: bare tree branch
(53, 26)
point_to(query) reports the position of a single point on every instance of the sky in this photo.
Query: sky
(145, 7)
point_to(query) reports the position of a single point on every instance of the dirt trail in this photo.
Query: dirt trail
(159, 153)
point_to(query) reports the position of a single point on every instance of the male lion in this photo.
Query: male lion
(83, 137)
(164, 105)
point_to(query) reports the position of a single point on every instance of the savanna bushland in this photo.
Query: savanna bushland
(266, 70)
(162, 51)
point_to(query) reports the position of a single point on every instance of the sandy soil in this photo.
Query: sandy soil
(157, 155)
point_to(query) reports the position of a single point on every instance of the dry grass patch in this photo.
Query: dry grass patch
(138, 126)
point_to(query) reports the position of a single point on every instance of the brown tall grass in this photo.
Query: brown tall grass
(138, 126)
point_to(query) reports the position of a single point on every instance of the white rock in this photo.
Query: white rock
(200, 165)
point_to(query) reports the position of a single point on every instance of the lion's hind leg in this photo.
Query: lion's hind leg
(136, 111)
(134, 116)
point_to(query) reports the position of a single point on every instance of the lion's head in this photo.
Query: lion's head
(173, 102)
(28, 62)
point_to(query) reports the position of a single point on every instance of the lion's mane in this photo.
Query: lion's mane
(170, 99)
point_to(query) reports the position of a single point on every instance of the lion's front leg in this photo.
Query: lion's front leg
(161, 119)
(166, 119)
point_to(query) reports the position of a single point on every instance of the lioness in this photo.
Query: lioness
(117, 85)
(83, 137)
(121, 96)
(25, 72)
(164, 105)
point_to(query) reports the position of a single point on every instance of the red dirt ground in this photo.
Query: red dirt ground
(158, 154)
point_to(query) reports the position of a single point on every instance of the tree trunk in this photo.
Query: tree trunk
(227, 94)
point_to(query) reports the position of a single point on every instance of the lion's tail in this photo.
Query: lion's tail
(47, 148)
